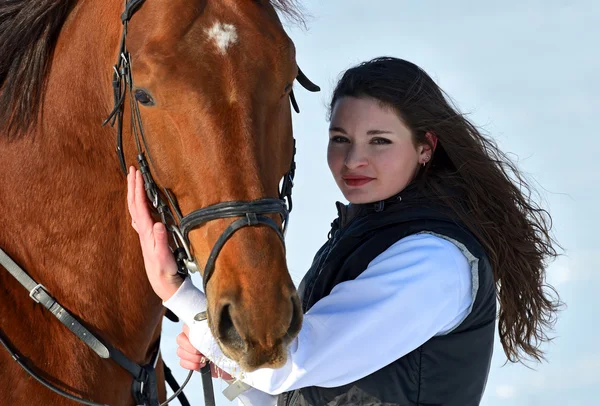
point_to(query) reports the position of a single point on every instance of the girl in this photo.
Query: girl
(400, 302)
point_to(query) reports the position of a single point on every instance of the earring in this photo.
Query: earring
(427, 158)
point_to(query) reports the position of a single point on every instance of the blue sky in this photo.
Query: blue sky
(528, 74)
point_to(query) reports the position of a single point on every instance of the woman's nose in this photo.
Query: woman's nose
(355, 158)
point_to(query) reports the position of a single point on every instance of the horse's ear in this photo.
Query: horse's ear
(306, 83)
(294, 102)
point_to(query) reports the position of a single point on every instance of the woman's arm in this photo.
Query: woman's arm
(418, 288)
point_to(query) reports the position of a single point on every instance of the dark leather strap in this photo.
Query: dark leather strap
(250, 220)
(42, 381)
(207, 386)
(288, 182)
(40, 295)
(130, 8)
(231, 209)
(144, 386)
(175, 386)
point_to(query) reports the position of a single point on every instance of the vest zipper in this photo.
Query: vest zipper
(309, 288)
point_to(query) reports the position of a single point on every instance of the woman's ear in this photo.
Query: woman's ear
(433, 139)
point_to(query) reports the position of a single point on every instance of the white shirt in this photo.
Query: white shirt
(418, 288)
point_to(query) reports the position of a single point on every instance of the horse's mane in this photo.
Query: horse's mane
(28, 33)
(290, 8)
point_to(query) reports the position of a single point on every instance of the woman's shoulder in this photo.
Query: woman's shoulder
(426, 254)
(423, 244)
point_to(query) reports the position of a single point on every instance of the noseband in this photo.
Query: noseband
(252, 213)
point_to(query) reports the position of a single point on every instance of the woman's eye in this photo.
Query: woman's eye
(144, 98)
(338, 139)
(380, 141)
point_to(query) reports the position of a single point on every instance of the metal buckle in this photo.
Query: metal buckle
(189, 262)
(35, 291)
(201, 316)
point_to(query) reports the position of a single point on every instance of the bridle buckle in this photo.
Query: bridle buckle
(181, 242)
(35, 291)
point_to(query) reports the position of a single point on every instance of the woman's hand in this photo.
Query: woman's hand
(193, 359)
(161, 268)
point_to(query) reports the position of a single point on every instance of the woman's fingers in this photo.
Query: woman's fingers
(137, 205)
(184, 342)
(161, 247)
(190, 365)
(159, 261)
(196, 358)
(142, 217)
(130, 195)
(192, 359)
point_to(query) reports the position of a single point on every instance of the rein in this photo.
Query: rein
(144, 387)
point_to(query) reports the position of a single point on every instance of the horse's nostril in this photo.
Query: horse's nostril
(227, 331)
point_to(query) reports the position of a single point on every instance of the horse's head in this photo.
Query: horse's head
(213, 80)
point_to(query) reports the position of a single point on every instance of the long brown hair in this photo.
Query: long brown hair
(496, 202)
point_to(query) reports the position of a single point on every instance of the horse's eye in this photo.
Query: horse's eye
(144, 98)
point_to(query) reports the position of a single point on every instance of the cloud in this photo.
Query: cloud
(559, 274)
(578, 373)
(581, 265)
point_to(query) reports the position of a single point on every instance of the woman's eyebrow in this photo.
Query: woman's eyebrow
(378, 132)
(370, 132)
(337, 130)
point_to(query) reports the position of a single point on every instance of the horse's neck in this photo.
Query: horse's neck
(68, 221)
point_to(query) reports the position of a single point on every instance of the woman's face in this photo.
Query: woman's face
(371, 152)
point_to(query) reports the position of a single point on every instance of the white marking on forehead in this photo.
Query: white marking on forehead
(223, 35)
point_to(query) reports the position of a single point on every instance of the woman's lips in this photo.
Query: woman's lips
(356, 181)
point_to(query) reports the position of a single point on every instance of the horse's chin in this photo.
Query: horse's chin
(250, 361)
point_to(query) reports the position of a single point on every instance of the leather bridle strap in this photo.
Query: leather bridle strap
(250, 220)
(232, 209)
(144, 388)
(252, 214)
(131, 7)
(40, 295)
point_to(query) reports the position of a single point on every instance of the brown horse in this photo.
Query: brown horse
(212, 79)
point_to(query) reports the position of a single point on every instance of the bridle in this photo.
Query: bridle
(251, 213)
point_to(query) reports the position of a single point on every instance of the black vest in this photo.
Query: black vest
(449, 370)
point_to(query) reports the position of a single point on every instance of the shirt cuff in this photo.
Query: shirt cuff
(187, 302)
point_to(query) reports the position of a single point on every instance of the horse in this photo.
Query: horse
(200, 98)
